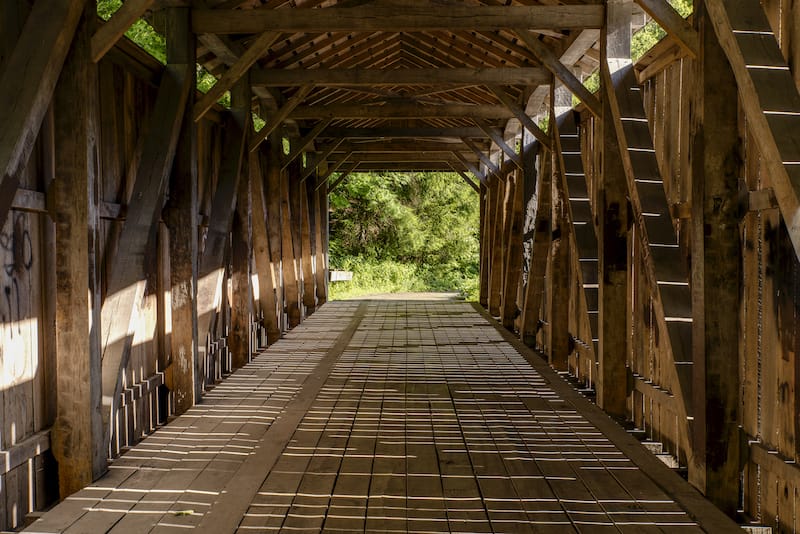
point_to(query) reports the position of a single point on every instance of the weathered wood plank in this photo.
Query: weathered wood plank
(272, 192)
(410, 18)
(27, 84)
(290, 217)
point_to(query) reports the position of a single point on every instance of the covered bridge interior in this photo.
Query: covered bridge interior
(642, 237)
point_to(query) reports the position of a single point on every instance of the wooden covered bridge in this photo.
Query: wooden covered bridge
(168, 357)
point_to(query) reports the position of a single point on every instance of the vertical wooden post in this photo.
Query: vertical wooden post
(540, 225)
(483, 296)
(241, 246)
(181, 217)
(513, 261)
(561, 275)
(291, 287)
(275, 223)
(308, 246)
(614, 222)
(497, 196)
(321, 235)
(267, 277)
(294, 172)
(716, 272)
(78, 442)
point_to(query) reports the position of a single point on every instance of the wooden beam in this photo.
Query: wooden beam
(267, 279)
(321, 158)
(127, 277)
(401, 110)
(716, 272)
(467, 179)
(26, 86)
(235, 72)
(539, 221)
(321, 238)
(332, 168)
(212, 267)
(307, 192)
(77, 434)
(500, 142)
(281, 115)
(401, 132)
(292, 273)
(560, 71)
(513, 261)
(482, 178)
(519, 113)
(272, 192)
(483, 157)
(613, 223)
(114, 28)
(673, 23)
(305, 142)
(181, 218)
(527, 76)
(769, 97)
(390, 19)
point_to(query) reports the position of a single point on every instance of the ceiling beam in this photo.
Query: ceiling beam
(401, 110)
(529, 76)
(400, 132)
(391, 19)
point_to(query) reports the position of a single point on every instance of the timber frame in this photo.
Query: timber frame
(645, 241)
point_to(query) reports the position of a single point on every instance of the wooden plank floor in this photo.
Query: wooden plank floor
(384, 416)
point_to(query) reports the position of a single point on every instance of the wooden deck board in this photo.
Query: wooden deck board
(426, 420)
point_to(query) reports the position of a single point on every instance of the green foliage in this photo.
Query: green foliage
(405, 232)
(140, 32)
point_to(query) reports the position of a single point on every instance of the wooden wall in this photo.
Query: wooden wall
(127, 85)
(768, 337)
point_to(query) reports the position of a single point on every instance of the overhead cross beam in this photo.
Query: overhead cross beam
(390, 19)
(304, 143)
(424, 76)
(403, 110)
